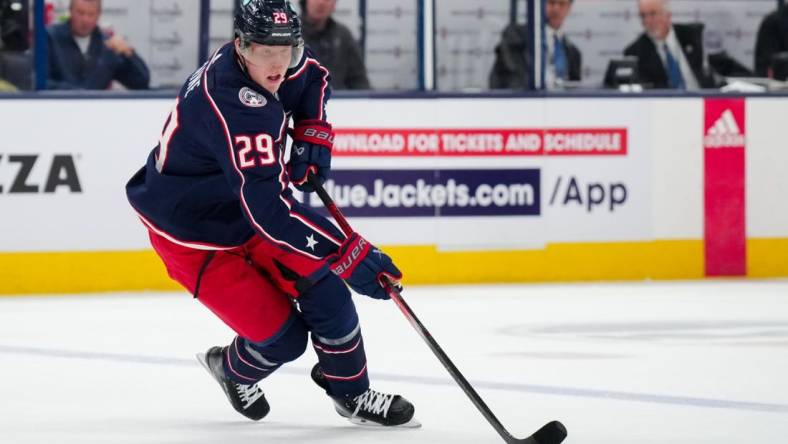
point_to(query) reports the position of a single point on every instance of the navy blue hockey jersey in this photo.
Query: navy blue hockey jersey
(218, 175)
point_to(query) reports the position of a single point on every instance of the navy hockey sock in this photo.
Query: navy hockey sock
(328, 310)
(247, 362)
(343, 363)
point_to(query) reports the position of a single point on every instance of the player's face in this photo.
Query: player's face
(266, 64)
(655, 18)
(84, 17)
(556, 12)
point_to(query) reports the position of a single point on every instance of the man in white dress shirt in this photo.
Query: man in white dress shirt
(563, 61)
(669, 55)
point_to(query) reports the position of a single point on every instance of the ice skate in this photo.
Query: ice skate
(371, 408)
(248, 400)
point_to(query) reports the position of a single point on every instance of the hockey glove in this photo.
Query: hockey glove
(311, 152)
(364, 267)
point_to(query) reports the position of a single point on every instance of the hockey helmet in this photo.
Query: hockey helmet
(270, 22)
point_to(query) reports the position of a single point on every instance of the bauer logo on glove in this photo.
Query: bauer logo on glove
(312, 144)
(365, 273)
(344, 266)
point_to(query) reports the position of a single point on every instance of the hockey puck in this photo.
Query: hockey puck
(551, 433)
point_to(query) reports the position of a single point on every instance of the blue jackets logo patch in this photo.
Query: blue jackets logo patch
(251, 98)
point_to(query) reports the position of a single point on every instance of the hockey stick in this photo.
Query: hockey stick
(551, 433)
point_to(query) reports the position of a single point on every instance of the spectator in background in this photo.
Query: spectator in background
(669, 55)
(513, 64)
(15, 60)
(563, 60)
(772, 39)
(82, 56)
(334, 45)
(14, 28)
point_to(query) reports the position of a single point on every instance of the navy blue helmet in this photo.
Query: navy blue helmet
(268, 22)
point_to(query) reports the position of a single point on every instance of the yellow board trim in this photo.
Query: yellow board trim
(562, 262)
(767, 258)
(82, 272)
(103, 271)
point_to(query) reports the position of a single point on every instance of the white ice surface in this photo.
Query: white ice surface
(688, 362)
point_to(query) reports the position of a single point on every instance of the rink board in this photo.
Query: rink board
(457, 190)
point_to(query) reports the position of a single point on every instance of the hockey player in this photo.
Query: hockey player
(215, 197)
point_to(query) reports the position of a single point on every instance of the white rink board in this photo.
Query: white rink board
(767, 160)
(662, 170)
(108, 140)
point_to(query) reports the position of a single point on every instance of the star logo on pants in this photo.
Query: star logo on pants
(311, 242)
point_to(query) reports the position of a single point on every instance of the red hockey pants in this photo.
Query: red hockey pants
(243, 286)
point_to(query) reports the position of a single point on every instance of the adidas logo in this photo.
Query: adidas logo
(724, 133)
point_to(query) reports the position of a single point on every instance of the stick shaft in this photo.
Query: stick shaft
(419, 327)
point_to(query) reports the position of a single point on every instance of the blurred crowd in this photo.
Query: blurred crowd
(81, 55)
(666, 55)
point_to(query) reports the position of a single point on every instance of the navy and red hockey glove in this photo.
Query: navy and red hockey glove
(364, 267)
(311, 152)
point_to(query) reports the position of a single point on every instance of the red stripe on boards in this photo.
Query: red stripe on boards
(724, 188)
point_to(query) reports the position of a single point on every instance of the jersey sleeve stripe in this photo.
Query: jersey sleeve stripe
(319, 230)
(305, 220)
(324, 80)
(173, 239)
(289, 205)
(231, 153)
(322, 103)
(281, 140)
(171, 126)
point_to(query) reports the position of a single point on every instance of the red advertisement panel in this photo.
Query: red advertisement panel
(364, 142)
(724, 161)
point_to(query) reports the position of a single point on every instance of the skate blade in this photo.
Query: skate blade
(412, 424)
(203, 360)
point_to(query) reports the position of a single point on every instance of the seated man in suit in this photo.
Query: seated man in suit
(563, 61)
(772, 39)
(669, 55)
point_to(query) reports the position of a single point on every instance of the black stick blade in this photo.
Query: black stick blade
(551, 433)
